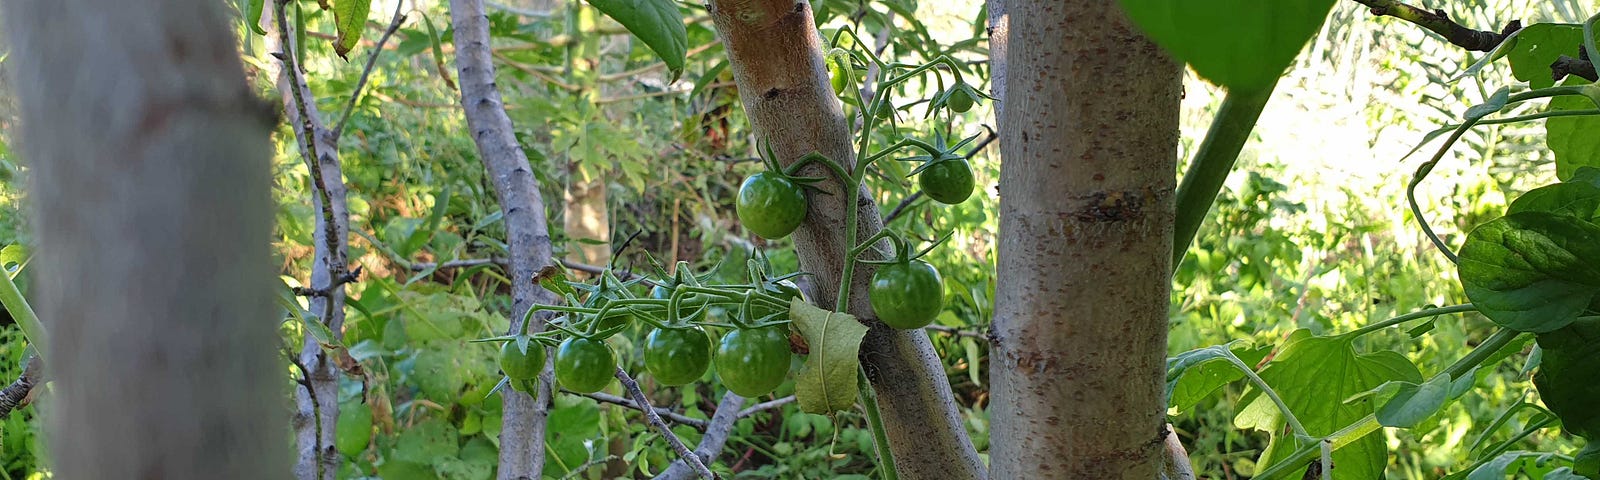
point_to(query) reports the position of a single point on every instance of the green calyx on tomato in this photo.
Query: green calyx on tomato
(906, 295)
(771, 205)
(519, 364)
(754, 361)
(947, 181)
(584, 365)
(353, 430)
(677, 356)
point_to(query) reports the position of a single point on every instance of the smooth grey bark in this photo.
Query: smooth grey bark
(150, 162)
(776, 58)
(1089, 141)
(316, 402)
(999, 33)
(522, 433)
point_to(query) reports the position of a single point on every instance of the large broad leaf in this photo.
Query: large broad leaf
(1314, 376)
(1532, 271)
(1566, 377)
(657, 22)
(1537, 46)
(1240, 44)
(350, 19)
(1575, 198)
(1572, 139)
(827, 381)
(426, 442)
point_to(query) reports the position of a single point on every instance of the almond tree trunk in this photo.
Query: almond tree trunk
(1089, 140)
(528, 237)
(150, 161)
(775, 54)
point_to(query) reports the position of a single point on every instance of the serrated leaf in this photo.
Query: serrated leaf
(350, 20)
(1537, 46)
(1531, 271)
(1572, 139)
(656, 22)
(1314, 376)
(1244, 45)
(827, 381)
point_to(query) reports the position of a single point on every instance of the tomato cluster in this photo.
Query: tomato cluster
(752, 357)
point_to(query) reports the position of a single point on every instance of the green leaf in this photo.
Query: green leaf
(1497, 101)
(12, 258)
(252, 16)
(438, 52)
(441, 370)
(350, 19)
(1240, 44)
(1413, 403)
(657, 22)
(1578, 199)
(1537, 46)
(1194, 375)
(426, 441)
(1531, 271)
(1566, 377)
(1572, 139)
(420, 236)
(1314, 376)
(827, 381)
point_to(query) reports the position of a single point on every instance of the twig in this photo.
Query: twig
(676, 417)
(661, 427)
(767, 405)
(372, 60)
(1565, 65)
(712, 442)
(959, 332)
(1438, 22)
(339, 280)
(15, 394)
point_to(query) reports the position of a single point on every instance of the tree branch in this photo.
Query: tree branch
(661, 427)
(676, 417)
(14, 395)
(1581, 67)
(711, 443)
(372, 60)
(1438, 22)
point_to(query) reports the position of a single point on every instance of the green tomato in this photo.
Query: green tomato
(906, 295)
(754, 361)
(676, 356)
(520, 365)
(837, 76)
(770, 205)
(959, 101)
(948, 181)
(353, 429)
(584, 365)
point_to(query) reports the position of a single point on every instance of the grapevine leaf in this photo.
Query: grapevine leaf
(656, 22)
(827, 381)
(1571, 138)
(350, 19)
(1314, 376)
(1531, 271)
(1240, 44)
(1537, 46)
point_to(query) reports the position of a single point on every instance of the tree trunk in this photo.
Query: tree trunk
(1089, 140)
(999, 32)
(774, 51)
(151, 163)
(316, 402)
(528, 236)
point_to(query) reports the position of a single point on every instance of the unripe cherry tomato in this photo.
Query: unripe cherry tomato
(906, 295)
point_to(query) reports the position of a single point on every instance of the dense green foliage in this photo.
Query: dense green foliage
(1287, 279)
